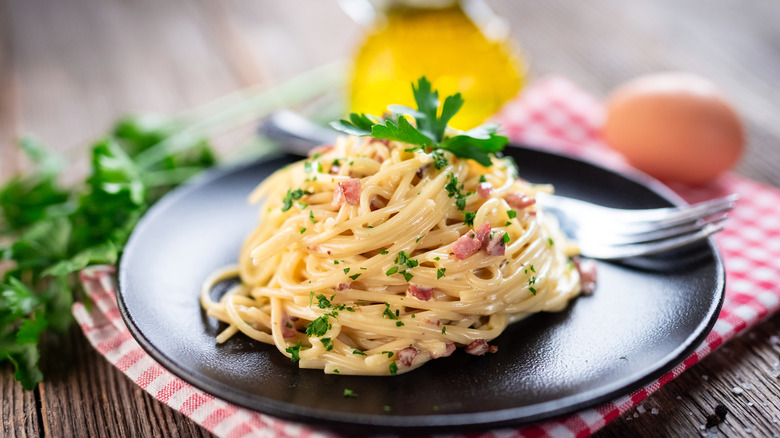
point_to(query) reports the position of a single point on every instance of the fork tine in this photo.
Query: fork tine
(612, 252)
(611, 237)
(678, 215)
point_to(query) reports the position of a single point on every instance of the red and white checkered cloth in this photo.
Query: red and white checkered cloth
(554, 113)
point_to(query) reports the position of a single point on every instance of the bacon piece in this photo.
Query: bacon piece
(496, 246)
(483, 234)
(478, 347)
(484, 189)
(448, 350)
(588, 274)
(420, 292)
(320, 150)
(407, 355)
(342, 286)
(466, 245)
(492, 348)
(288, 328)
(519, 200)
(349, 191)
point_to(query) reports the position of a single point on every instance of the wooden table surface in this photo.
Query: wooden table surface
(70, 67)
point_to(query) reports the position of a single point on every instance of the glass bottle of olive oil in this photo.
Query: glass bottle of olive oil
(440, 40)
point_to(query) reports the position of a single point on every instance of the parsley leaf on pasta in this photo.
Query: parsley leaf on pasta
(430, 127)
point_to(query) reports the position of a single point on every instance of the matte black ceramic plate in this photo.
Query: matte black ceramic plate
(638, 325)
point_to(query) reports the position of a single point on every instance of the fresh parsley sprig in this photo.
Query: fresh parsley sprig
(430, 128)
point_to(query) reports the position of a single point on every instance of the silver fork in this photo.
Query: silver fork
(610, 233)
(601, 232)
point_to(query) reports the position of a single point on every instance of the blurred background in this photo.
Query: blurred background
(70, 68)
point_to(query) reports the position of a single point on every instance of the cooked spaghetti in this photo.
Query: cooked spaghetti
(373, 257)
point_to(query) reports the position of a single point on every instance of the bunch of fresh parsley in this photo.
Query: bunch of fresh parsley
(51, 232)
(430, 129)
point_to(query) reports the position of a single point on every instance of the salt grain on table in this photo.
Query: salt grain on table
(654, 411)
(737, 390)
(640, 409)
(747, 386)
(705, 377)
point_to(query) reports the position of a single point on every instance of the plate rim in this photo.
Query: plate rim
(344, 421)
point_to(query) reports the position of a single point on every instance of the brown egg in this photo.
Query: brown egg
(675, 127)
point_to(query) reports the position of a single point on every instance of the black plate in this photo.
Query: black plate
(638, 324)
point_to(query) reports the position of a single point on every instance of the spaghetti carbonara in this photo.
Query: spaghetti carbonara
(373, 258)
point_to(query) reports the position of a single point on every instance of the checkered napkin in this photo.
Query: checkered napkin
(553, 113)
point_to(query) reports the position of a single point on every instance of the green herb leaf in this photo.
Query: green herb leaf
(359, 353)
(358, 124)
(479, 150)
(403, 132)
(348, 393)
(327, 343)
(318, 327)
(440, 272)
(295, 351)
(393, 368)
(391, 271)
(469, 218)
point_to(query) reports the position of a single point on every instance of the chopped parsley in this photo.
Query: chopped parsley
(407, 275)
(482, 178)
(411, 263)
(354, 277)
(452, 186)
(532, 289)
(469, 219)
(511, 213)
(311, 217)
(292, 195)
(444, 330)
(294, 351)
(387, 408)
(359, 353)
(437, 258)
(393, 368)
(324, 303)
(388, 353)
(384, 252)
(346, 270)
(550, 241)
(391, 271)
(507, 224)
(419, 238)
(336, 371)
(389, 313)
(440, 273)
(348, 393)
(288, 324)
(399, 324)
(439, 160)
(327, 343)
(402, 258)
(318, 326)
(505, 238)
(303, 230)
(532, 269)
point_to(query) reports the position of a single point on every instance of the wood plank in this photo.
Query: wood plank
(19, 412)
(686, 405)
(84, 395)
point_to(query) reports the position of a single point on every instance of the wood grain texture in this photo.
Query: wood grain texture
(69, 68)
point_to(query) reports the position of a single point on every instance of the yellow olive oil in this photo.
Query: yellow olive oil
(445, 45)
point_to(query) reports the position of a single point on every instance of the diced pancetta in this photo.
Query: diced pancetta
(496, 245)
(407, 355)
(588, 274)
(342, 286)
(519, 200)
(288, 328)
(420, 292)
(466, 245)
(483, 234)
(478, 347)
(448, 350)
(349, 191)
(484, 189)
